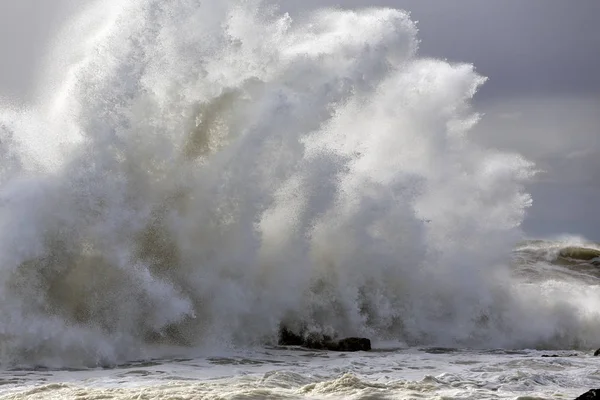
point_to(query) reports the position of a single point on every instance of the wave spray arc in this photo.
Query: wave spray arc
(198, 173)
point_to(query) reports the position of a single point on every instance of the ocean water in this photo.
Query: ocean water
(192, 175)
(275, 373)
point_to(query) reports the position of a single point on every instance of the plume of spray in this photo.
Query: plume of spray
(199, 173)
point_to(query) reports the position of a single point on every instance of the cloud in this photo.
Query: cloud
(561, 134)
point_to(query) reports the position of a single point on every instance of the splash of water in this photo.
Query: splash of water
(196, 173)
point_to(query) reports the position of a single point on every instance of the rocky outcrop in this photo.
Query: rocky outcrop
(597, 352)
(322, 342)
(289, 338)
(593, 394)
(350, 344)
(558, 355)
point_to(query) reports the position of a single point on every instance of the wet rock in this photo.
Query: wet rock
(593, 394)
(318, 341)
(289, 338)
(322, 342)
(597, 352)
(351, 344)
(558, 355)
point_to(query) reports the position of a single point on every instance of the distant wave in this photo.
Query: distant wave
(198, 173)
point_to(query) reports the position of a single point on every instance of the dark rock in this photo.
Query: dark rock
(350, 344)
(593, 394)
(597, 352)
(322, 342)
(559, 355)
(289, 338)
(317, 341)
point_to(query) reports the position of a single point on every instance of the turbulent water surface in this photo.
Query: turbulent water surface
(194, 174)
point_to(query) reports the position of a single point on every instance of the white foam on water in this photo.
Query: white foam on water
(298, 374)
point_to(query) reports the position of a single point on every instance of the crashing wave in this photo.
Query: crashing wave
(203, 172)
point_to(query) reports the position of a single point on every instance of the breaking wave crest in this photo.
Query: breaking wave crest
(198, 173)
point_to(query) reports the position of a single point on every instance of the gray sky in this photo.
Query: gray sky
(542, 98)
(523, 46)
